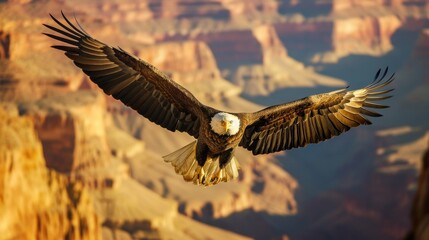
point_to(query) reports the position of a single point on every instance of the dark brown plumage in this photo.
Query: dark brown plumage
(210, 160)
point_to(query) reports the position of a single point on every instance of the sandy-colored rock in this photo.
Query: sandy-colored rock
(192, 64)
(369, 36)
(37, 203)
(271, 46)
(246, 9)
(341, 5)
(71, 128)
(420, 210)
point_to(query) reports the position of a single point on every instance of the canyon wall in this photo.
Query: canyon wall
(35, 202)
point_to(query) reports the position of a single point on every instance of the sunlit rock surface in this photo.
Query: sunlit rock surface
(420, 211)
(35, 202)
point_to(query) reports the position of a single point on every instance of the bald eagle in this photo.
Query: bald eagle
(210, 158)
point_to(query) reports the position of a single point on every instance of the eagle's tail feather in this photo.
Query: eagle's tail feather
(185, 164)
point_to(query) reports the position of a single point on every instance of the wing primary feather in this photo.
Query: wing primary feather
(318, 133)
(115, 87)
(96, 74)
(380, 92)
(71, 25)
(385, 72)
(90, 42)
(378, 98)
(329, 125)
(378, 86)
(107, 77)
(66, 40)
(129, 93)
(344, 120)
(258, 146)
(266, 144)
(65, 27)
(152, 106)
(352, 109)
(377, 74)
(370, 113)
(92, 61)
(324, 126)
(86, 52)
(71, 55)
(154, 116)
(78, 24)
(144, 103)
(355, 117)
(337, 124)
(96, 68)
(68, 34)
(374, 105)
(66, 48)
(166, 120)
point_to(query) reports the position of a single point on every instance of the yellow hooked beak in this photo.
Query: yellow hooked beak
(225, 125)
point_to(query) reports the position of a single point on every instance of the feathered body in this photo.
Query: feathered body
(210, 158)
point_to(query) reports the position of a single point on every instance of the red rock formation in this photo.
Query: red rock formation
(232, 48)
(4, 45)
(72, 130)
(36, 203)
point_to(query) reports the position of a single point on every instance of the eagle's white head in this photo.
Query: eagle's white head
(225, 123)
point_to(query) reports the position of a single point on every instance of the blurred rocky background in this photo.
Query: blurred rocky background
(76, 164)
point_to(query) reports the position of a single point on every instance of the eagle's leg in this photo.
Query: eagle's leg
(225, 157)
(201, 155)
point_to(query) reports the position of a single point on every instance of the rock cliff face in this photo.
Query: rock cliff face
(192, 64)
(71, 129)
(37, 203)
(368, 35)
(420, 210)
(339, 5)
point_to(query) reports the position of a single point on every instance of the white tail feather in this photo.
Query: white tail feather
(185, 163)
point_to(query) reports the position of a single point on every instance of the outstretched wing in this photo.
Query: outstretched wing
(131, 80)
(314, 118)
